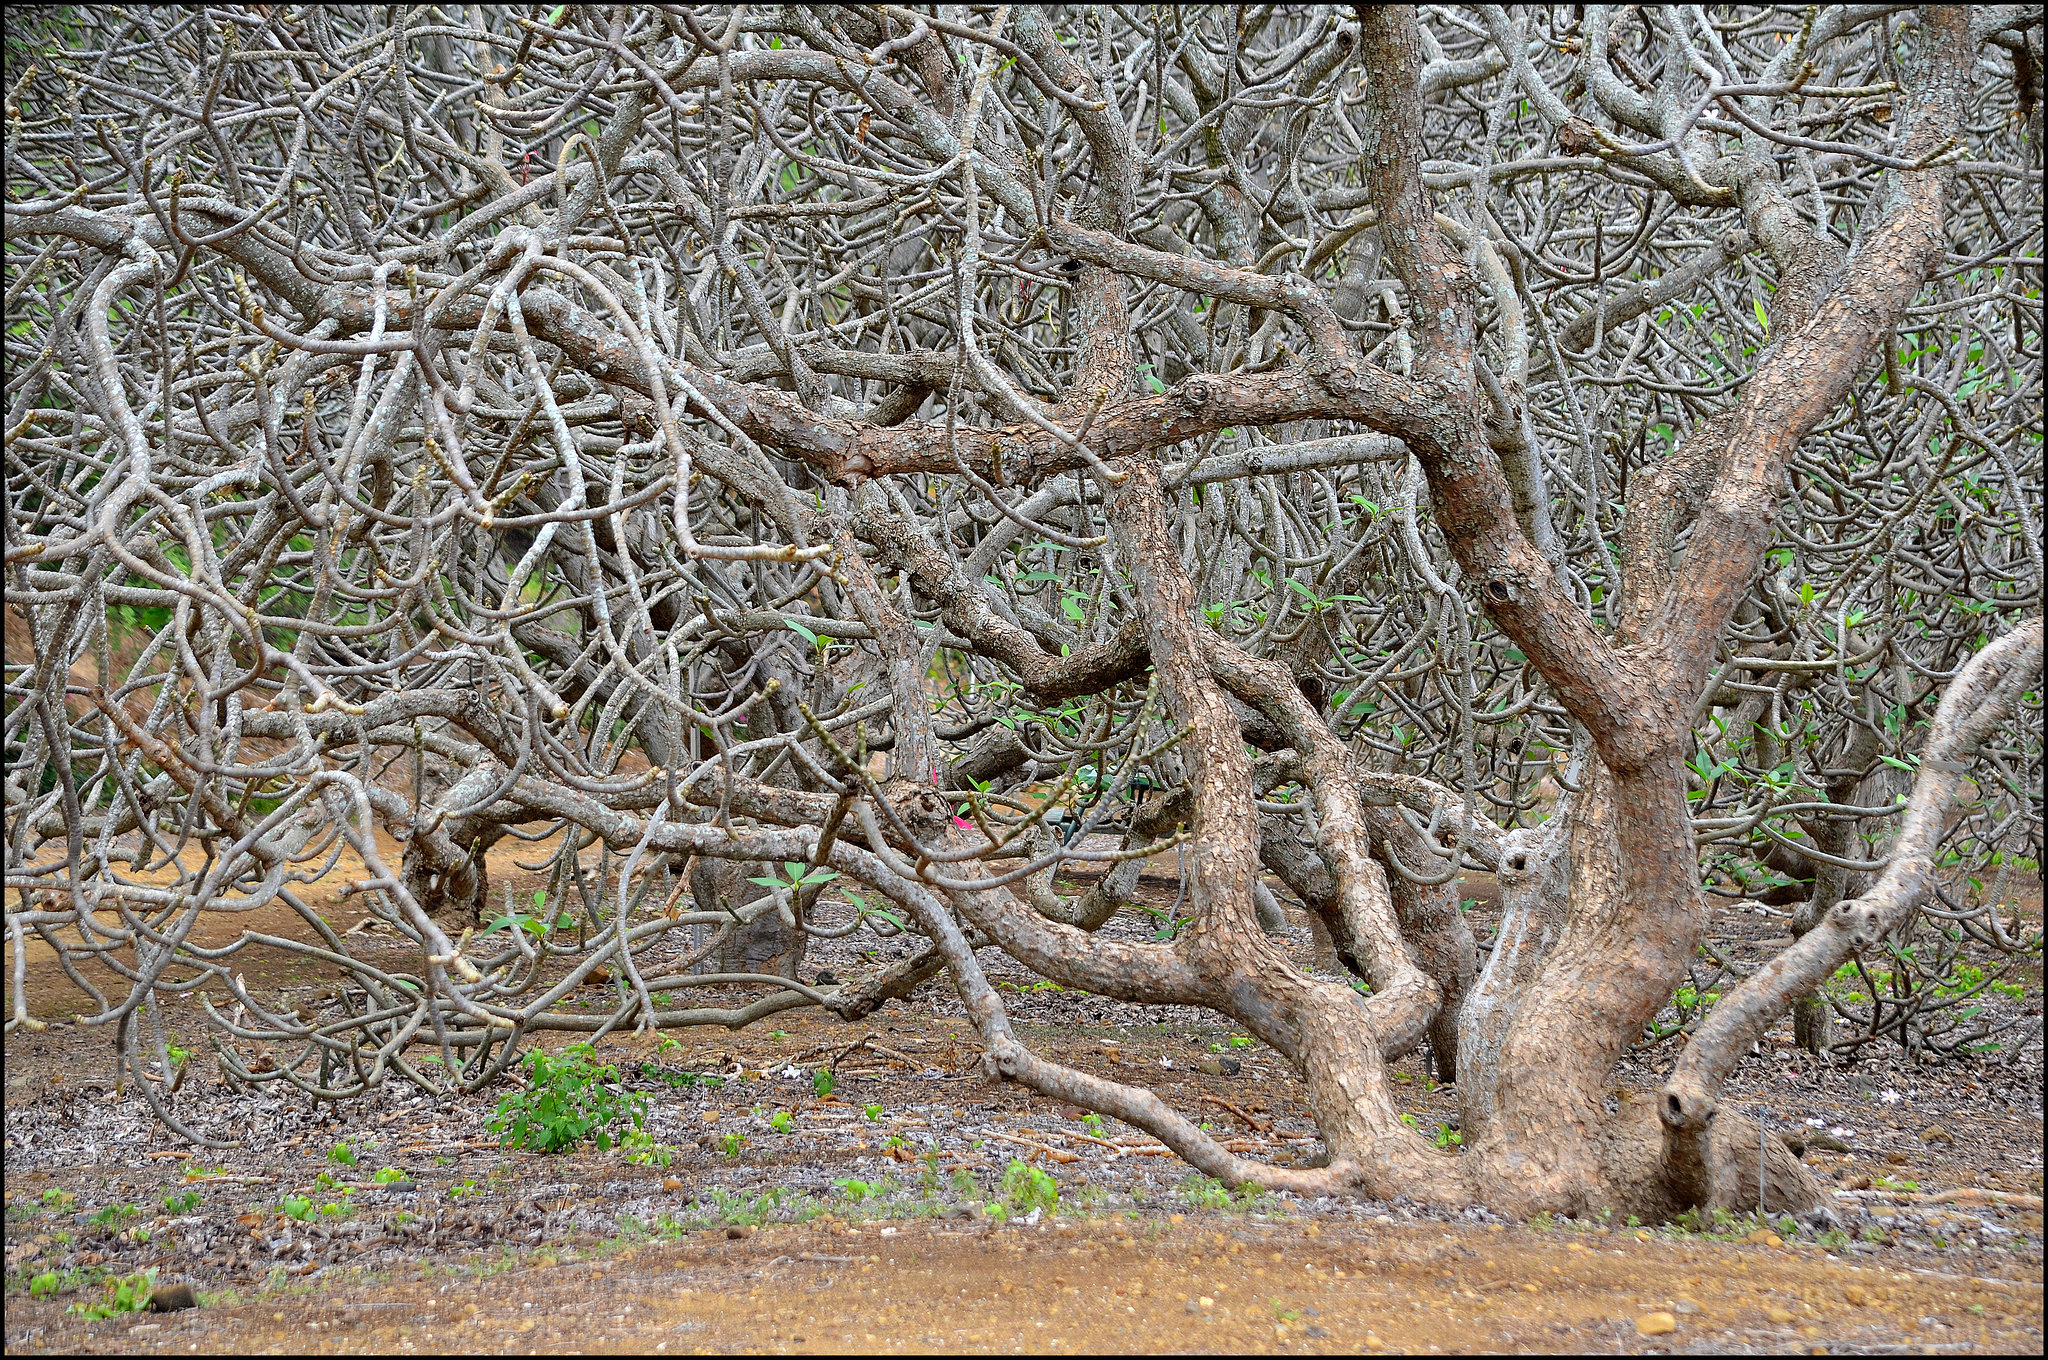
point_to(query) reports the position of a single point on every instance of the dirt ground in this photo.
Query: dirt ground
(1099, 1284)
(769, 1217)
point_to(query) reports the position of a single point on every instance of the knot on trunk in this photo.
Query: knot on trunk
(1686, 1111)
(1577, 137)
(922, 807)
(1003, 1062)
(1859, 920)
(447, 892)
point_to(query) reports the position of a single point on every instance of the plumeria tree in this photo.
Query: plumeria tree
(819, 469)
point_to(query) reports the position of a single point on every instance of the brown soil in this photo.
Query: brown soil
(1103, 1286)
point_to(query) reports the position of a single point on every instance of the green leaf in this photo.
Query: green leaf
(802, 632)
(1763, 318)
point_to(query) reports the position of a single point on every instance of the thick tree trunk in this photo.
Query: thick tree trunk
(1580, 967)
(765, 944)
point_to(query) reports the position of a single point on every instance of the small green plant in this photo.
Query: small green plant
(1093, 1123)
(296, 1206)
(128, 1294)
(114, 1215)
(389, 1175)
(1170, 925)
(855, 1191)
(1873, 1233)
(341, 1154)
(1026, 1188)
(781, 1121)
(535, 925)
(798, 878)
(642, 1150)
(1887, 1183)
(1834, 1239)
(680, 1079)
(45, 1283)
(183, 1203)
(822, 1082)
(727, 1207)
(1240, 1041)
(1448, 1137)
(1089, 1198)
(464, 1189)
(896, 1140)
(964, 1183)
(733, 1144)
(62, 1200)
(569, 1098)
(873, 1112)
(1205, 1192)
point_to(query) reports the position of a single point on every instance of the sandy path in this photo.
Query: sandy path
(1205, 1284)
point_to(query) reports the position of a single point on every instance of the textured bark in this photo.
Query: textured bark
(767, 944)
